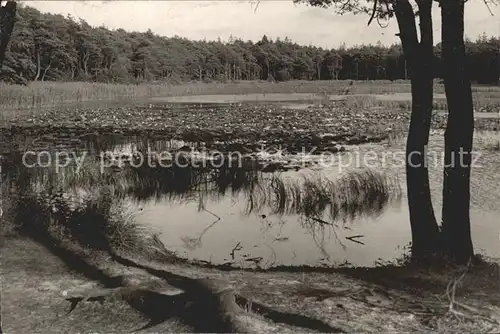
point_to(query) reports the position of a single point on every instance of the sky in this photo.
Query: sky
(244, 19)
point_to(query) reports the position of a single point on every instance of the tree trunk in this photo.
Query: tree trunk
(86, 57)
(45, 71)
(458, 135)
(425, 230)
(73, 71)
(38, 65)
(7, 20)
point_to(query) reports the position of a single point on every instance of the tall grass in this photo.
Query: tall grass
(39, 95)
(96, 221)
(488, 140)
(68, 207)
(357, 193)
(484, 101)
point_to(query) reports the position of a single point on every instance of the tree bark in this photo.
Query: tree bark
(458, 136)
(38, 65)
(7, 20)
(85, 60)
(46, 70)
(418, 56)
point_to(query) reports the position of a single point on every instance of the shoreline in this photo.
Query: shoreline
(382, 298)
(120, 278)
(285, 299)
(52, 94)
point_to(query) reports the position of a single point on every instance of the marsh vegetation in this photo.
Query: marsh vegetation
(75, 179)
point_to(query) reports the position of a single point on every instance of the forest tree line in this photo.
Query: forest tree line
(51, 47)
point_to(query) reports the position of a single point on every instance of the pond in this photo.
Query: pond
(224, 223)
(217, 215)
(268, 239)
(286, 240)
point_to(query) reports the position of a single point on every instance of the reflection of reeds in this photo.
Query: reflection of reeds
(95, 218)
(139, 183)
(355, 193)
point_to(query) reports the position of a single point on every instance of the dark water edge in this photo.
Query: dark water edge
(304, 218)
(315, 201)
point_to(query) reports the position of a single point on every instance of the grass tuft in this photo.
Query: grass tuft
(96, 221)
(356, 193)
(488, 140)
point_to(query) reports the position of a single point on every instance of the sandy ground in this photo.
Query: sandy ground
(33, 281)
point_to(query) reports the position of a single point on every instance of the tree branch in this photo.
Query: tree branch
(487, 4)
(374, 10)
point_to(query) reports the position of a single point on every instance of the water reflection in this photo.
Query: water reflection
(280, 208)
(244, 216)
(354, 193)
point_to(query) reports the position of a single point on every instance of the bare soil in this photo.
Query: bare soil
(33, 302)
(40, 288)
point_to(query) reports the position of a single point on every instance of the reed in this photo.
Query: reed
(357, 193)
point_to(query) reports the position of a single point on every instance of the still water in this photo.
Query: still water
(224, 230)
(287, 240)
(223, 224)
(273, 239)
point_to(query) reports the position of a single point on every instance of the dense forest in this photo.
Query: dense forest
(54, 47)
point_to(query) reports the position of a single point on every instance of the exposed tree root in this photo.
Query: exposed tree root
(206, 305)
(469, 313)
(227, 302)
